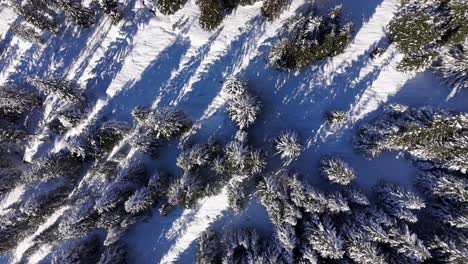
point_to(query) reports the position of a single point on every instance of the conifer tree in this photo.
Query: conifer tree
(14, 102)
(336, 170)
(288, 146)
(68, 91)
(83, 251)
(73, 9)
(323, 237)
(113, 9)
(208, 250)
(26, 33)
(169, 7)
(164, 123)
(115, 253)
(140, 200)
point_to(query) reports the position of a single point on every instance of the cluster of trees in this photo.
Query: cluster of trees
(312, 226)
(45, 16)
(436, 136)
(307, 38)
(440, 26)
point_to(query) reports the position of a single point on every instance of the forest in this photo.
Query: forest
(87, 180)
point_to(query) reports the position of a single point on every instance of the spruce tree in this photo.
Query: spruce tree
(81, 251)
(169, 7)
(288, 146)
(15, 101)
(26, 33)
(336, 170)
(68, 91)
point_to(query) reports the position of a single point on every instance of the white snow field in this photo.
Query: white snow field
(157, 60)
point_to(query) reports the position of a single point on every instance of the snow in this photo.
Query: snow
(159, 60)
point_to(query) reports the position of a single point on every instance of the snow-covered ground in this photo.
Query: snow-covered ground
(157, 60)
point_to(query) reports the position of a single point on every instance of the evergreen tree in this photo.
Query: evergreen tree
(308, 38)
(452, 65)
(397, 201)
(68, 91)
(74, 11)
(115, 253)
(288, 146)
(272, 9)
(61, 164)
(324, 238)
(336, 117)
(113, 9)
(65, 119)
(105, 138)
(234, 88)
(26, 33)
(37, 14)
(163, 123)
(15, 101)
(336, 170)
(83, 251)
(437, 136)
(408, 244)
(444, 185)
(208, 250)
(450, 250)
(212, 12)
(141, 200)
(243, 110)
(169, 7)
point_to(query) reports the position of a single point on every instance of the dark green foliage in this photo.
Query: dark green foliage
(66, 90)
(308, 38)
(169, 7)
(272, 9)
(62, 164)
(211, 13)
(427, 134)
(422, 28)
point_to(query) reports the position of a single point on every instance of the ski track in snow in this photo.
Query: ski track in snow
(204, 52)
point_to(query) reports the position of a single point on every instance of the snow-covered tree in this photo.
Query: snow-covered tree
(37, 14)
(397, 201)
(61, 164)
(307, 38)
(75, 11)
(272, 9)
(323, 237)
(26, 33)
(356, 196)
(336, 117)
(450, 250)
(452, 65)
(114, 195)
(336, 170)
(234, 88)
(105, 138)
(197, 156)
(208, 249)
(115, 253)
(66, 90)
(444, 184)
(243, 110)
(408, 244)
(147, 142)
(362, 250)
(82, 251)
(428, 134)
(169, 7)
(212, 12)
(113, 9)
(288, 146)
(164, 122)
(139, 201)
(65, 119)
(15, 101)
(439, 24)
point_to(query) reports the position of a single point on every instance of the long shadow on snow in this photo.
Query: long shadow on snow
(143, 91)
(111, 63)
